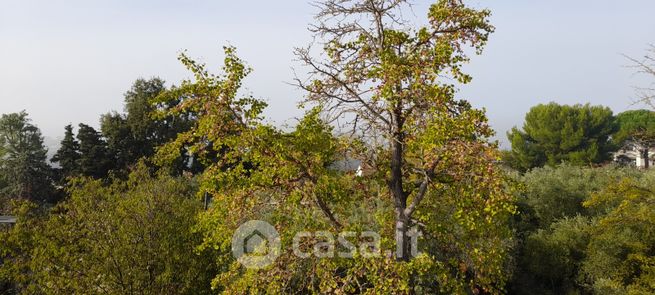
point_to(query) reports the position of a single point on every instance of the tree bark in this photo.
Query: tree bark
(399, 195)
(403, 239)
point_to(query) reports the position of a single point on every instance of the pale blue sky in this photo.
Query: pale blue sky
(70, 61)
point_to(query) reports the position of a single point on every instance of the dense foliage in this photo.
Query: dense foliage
(129, 237)
(636, 130)
(122, 211)
(95, 159)
(585, 230)
(434, 167)
(553, 134)
(136, 133)
(24, 171)
(256, 171)
(68, 156)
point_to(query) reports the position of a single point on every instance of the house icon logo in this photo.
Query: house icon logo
(256, 244)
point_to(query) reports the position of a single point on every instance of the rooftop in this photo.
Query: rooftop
(7, 219)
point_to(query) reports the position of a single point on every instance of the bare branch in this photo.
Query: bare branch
(646, 66)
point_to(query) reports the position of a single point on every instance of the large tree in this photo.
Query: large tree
(95, 159)
(553, 133)
(636, 129)
(136, 132)
(120, 142)
(390, 79)
(431, 166)
(23, 161)
(68, 155)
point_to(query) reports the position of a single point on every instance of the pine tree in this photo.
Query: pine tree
(68, 155)
(636, 129)
(23, 167)
(137, 132)
(95, 159)
(553, 134)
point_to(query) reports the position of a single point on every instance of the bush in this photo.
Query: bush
(128, 237)
(586, 230)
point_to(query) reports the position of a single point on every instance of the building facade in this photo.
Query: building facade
(635, 155)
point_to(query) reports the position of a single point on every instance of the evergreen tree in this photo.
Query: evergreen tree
(68, 155)
(95, 159)
(120, 141)
(139, 107)
(636, 128)
(23, 167)
(553, 134)
(137, 132)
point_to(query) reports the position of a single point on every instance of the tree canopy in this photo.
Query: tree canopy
(132, 236)
(388, 184)
(553, 134)
(636, 125)
(434, 167)
(95, 159)
(68, 155)
(636, 130)
(24, 170)
(136, 133)
(585, 230)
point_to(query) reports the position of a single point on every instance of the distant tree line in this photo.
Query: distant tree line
(579, 135)
(124, 138)
(127, 215)
(121, 210)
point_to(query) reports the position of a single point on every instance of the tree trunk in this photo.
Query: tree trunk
(400, 199)
(644, 155)
(403, 239)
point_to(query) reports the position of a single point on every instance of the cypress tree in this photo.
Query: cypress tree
(68, 155)
(95, 160)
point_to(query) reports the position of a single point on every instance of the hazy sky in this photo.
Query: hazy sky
(70, 61)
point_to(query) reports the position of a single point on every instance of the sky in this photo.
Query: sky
(68, 62)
